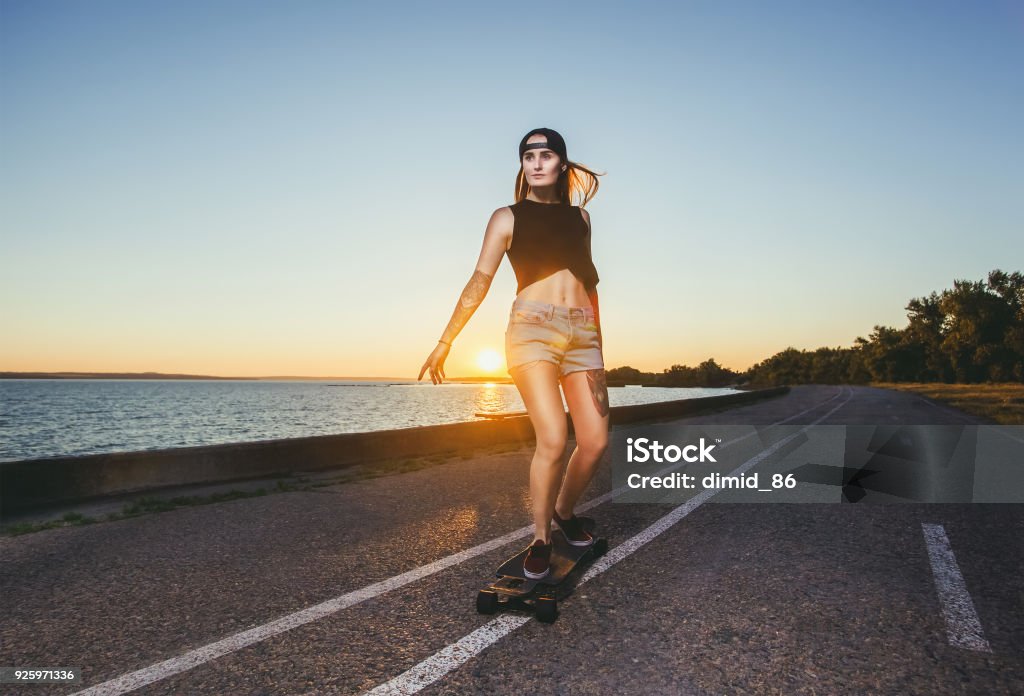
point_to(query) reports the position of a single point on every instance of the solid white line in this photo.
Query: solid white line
(450, 657)
(194, 658)
(458, 653)
(963, 627)
(1001, 429)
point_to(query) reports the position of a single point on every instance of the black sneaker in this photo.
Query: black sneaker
(538, 561)
(573, 530)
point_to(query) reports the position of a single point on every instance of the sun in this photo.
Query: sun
(488, 360)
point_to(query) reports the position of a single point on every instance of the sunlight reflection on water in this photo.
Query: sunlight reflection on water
(45, 418)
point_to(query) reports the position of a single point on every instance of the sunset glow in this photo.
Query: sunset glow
(488, 360)
(222, 211)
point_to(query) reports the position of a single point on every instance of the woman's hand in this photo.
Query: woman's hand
(496, 241)
(435, 363)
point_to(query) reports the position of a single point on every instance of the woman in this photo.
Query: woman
(554, 330)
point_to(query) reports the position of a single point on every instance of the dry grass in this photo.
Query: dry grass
(1002, 403)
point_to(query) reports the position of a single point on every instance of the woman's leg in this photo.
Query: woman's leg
(538, 386)
(586, 393)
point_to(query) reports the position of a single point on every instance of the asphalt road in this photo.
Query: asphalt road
(371, 585)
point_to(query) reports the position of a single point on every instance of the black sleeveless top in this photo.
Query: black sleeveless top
(546, 238)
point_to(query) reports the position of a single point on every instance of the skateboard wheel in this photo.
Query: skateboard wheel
(486, 602)
(600, 547)
(547, 609)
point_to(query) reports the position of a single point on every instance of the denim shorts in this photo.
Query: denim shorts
(565, 336)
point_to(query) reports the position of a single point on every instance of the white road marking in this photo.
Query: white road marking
(207, 653)
(450, 657)
(194, 658)
(458, 653)
(1001, 429)
(963, 627)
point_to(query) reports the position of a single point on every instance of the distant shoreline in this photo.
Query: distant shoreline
(280, 378)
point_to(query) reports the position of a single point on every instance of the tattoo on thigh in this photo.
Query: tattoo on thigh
(599, 389)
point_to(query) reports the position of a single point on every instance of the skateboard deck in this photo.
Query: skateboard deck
(564, 557)
(514, 590)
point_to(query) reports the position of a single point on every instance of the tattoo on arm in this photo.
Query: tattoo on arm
(599, 390)
(472, 296)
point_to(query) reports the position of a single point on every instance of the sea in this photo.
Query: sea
(66, 417)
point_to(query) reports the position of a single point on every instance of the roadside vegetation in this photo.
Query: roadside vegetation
(1002, 403)
(971, 334)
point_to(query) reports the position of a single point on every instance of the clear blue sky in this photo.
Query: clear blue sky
(301, 188)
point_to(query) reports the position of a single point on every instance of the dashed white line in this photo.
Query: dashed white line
(963, 627)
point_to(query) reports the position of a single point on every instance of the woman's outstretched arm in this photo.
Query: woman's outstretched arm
(496, 240)
(472, 295)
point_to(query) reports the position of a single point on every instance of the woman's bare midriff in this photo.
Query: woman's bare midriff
(560, 288)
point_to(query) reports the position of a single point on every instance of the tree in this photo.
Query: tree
(976, 326)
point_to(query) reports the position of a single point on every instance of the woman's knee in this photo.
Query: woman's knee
(551, 442)
(593, 445)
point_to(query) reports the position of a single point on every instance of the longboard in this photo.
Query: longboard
(513, 590)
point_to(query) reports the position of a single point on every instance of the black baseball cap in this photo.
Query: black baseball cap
(555, 142)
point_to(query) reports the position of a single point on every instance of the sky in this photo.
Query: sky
(301, 188)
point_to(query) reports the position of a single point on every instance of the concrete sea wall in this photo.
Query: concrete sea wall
(36, 483)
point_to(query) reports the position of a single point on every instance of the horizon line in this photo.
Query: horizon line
(177, 375)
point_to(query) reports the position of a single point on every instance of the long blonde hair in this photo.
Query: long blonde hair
(576, 185)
